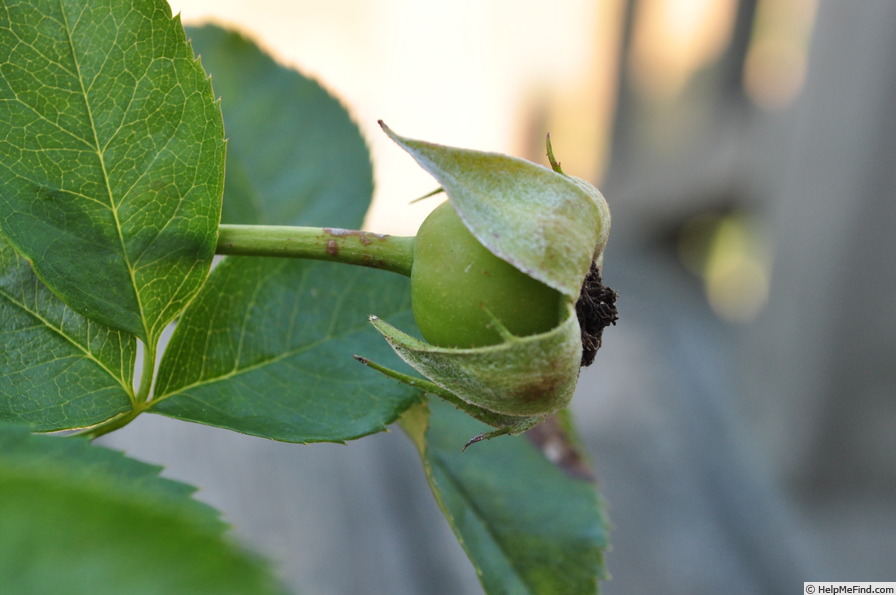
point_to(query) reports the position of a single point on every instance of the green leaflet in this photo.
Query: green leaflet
(85, 519)
(294, 157)
(266, 349)
(78, 461)
(528, 525)
(57, 369)
(111, 157)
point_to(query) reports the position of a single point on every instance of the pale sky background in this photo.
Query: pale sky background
(462, 72)
(498, 74)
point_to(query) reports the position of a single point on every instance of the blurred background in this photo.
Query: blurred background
(742, 415)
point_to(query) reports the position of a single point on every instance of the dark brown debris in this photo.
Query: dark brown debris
(596, 310)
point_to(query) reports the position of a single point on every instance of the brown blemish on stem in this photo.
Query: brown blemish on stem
(372, 262)
(332, 248)
(365, 237)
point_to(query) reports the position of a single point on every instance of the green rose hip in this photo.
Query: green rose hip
(459, 289)
(505, 286)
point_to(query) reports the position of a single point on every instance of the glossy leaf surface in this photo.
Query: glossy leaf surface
(111, 157)
(58, 369)
(267, 350)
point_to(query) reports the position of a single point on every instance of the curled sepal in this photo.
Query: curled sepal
(519, 377)
(545, 223)
(506, 424)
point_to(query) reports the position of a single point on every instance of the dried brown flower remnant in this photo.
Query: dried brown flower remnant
(596, 310)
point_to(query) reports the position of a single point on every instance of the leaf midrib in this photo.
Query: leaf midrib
(237, 371)
(98, 147)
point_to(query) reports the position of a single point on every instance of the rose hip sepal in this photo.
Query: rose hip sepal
(547, 224)
(544, 223)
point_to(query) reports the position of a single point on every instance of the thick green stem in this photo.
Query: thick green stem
(390, 253)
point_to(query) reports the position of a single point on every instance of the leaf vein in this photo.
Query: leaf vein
(58, 330)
